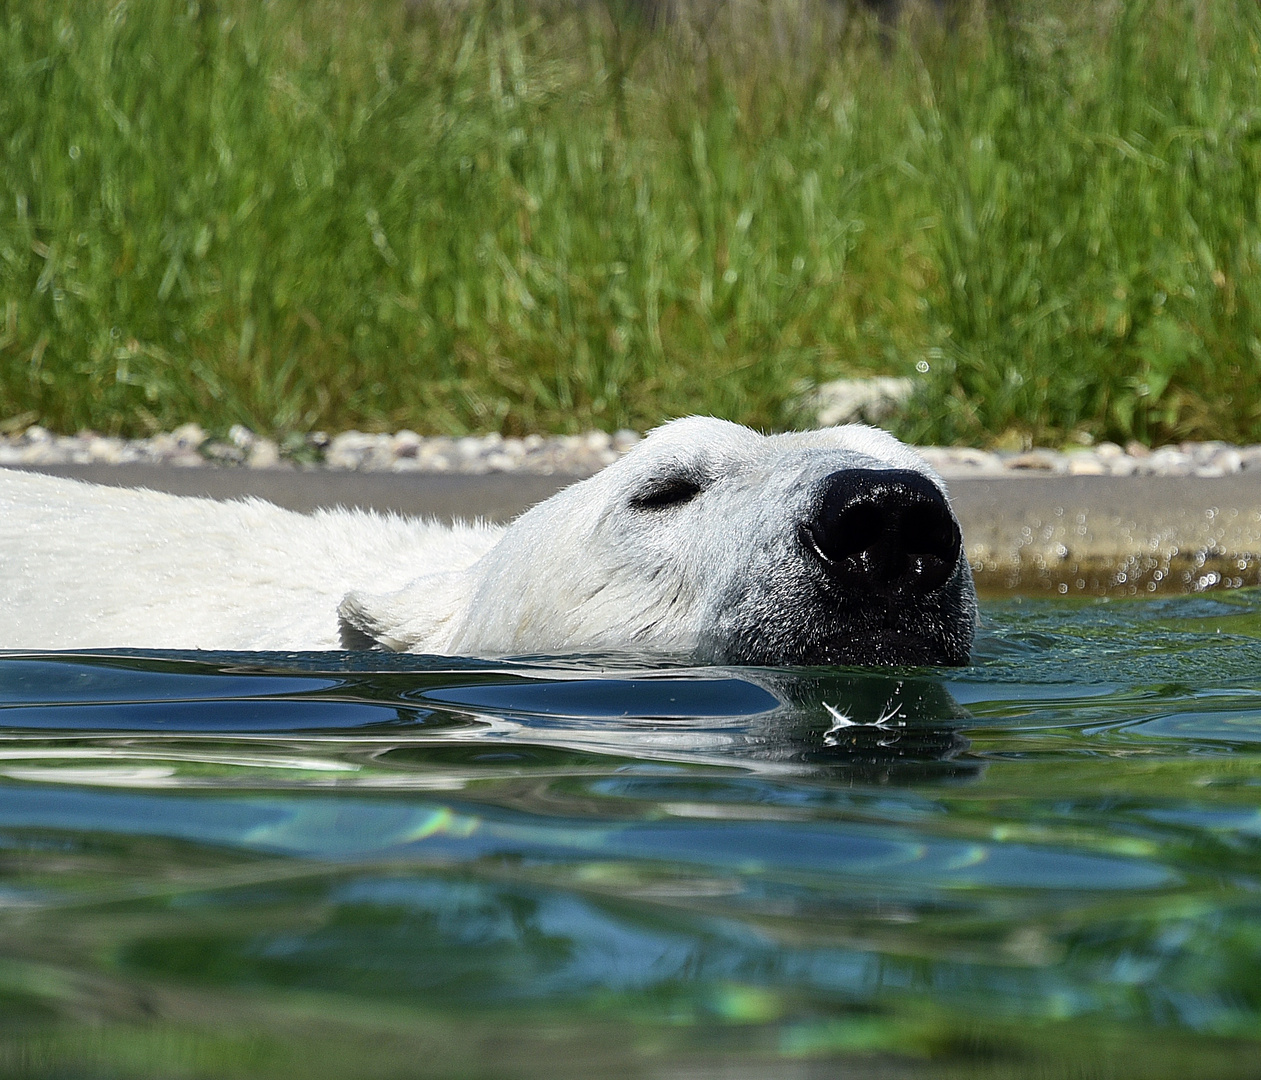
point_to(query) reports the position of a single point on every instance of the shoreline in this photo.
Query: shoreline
(405, 451)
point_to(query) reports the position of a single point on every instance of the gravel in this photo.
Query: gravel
(405, 451)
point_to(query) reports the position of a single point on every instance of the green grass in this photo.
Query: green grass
(535, 216)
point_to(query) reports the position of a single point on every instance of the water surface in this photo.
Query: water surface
(1046, 864)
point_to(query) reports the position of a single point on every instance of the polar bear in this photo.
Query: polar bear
(707, 541)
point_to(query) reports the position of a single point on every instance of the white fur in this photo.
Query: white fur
(84, 566)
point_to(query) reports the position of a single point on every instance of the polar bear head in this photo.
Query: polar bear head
(711, 541)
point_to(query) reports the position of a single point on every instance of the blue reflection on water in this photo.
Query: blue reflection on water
(1066, 828)
(346, 828)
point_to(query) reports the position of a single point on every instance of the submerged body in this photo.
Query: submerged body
(708, 540)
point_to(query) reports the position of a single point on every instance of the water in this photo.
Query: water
(1047, 864)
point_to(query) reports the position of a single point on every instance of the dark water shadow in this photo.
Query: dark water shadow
(870, 726)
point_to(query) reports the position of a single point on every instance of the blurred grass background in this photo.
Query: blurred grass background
(553, 215)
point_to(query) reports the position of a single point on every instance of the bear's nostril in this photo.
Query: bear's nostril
(887, 529)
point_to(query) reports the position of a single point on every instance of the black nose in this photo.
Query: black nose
(887, 530)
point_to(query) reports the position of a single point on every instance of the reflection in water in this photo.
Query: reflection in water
(868, 727)
(1045, 864)
(898, 727)
(893, 725)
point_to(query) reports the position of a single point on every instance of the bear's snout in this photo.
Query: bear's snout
(884, 530)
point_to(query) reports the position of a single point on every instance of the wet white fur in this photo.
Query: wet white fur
(83, 566)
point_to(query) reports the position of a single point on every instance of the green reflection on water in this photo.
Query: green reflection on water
(1046, 864)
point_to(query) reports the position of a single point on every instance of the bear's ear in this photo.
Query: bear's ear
(417, 618)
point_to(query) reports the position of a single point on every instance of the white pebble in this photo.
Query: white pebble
(263, 454)
(1085, 465)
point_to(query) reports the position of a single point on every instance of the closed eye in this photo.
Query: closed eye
(666, 492)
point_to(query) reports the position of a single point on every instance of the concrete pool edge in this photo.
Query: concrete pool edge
(1028, 533)
(1103, 535)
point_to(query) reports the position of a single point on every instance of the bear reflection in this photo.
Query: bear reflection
(871, 728)
(863, 725)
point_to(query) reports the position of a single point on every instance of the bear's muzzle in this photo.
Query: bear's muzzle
(887, 532)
